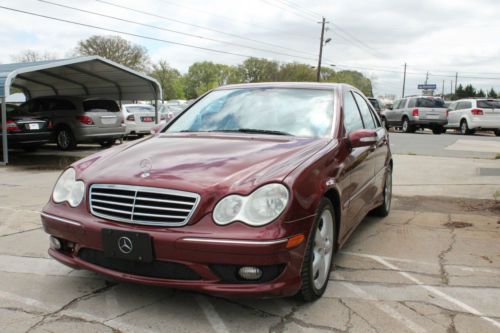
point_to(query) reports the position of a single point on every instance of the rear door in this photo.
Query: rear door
(397, 114)
(104, 113)
(431, 109)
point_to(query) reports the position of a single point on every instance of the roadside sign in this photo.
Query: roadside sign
(427, 86)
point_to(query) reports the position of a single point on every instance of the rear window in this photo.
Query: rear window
(140, 108)
(491, 104)
(100, 105)
(430, 103)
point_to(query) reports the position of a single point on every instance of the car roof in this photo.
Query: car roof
(292, 85)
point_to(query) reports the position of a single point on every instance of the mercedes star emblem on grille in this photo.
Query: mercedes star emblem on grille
(125, 244)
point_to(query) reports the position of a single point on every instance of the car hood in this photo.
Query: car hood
(199, 162)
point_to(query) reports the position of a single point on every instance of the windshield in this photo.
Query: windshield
(430, 103)
(299, 112)
(489, 104)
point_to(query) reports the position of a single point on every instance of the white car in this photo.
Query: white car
(139, 119)
(469, 115)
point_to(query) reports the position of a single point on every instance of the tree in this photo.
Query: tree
(470, 91)
(203, 76)
(259, 70)
(296, 72)
(32, 56)
(353, 78)
(460, 92)
(492, 93)
(170, 80)
(480, 93)
(116, 49)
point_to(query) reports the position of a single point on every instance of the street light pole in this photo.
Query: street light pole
(404, 82)
(318, 72)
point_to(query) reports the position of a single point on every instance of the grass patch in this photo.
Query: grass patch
(497, 157)
(496, 196)
(413, 154)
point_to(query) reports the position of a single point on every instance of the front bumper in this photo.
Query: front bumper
(196, 248)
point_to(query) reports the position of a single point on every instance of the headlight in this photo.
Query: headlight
(69, 189)
(259, 208)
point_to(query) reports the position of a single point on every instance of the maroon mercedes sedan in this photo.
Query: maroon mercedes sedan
(250, 191)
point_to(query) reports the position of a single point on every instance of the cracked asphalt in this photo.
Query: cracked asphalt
(433, 265)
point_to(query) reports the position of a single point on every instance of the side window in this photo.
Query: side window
(352, 117)
(453, 106)
(402, 104)
(365, 112)
(412, 102)
(395, 104)
(468, 105)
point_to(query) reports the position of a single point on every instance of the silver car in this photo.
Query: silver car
(77, 120)
(412, 113)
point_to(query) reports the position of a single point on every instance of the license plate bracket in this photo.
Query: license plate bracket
(128, 245)
(34, 127)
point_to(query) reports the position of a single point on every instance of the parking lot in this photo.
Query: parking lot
(432, 265)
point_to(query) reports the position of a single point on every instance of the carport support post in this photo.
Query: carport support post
(156, 110)
(5, 159)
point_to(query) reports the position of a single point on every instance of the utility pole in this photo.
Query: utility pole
(442, 91)
(318, 73)
(426, 77)
(404, 82)
(451, 87)
(456, 80)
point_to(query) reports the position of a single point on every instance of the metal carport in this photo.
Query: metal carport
(83, 76)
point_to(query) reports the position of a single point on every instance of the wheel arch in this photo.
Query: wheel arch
(333, 195)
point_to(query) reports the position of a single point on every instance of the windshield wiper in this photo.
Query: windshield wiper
(253, 130)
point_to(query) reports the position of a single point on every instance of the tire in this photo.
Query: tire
(438, 130)
(65, 139)
(315, 276)
(384, 123)
(497, 132)
(406, 127)
(464, 128)
(107, 143)
(384, 209)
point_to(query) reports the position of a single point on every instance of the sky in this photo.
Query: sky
(375, 37)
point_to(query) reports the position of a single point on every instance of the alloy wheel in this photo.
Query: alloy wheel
(63, 139)
(323, 249)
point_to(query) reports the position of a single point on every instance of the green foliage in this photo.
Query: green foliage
(470, 91)
(115, 48)
(170, 80)
(353, 78)
(203, 76)
(480, 93)
(296, 72)
(460, 92)
(259, 70)
(492, 93)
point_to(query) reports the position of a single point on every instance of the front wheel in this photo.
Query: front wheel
(319, 253)
(464, 128)
(384, 209)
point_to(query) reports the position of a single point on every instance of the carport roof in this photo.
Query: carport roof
(83, 76)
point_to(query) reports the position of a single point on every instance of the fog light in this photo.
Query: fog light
(55, 243)
(250, 273)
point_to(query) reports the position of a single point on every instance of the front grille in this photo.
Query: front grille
(142, 205)
(156, 269)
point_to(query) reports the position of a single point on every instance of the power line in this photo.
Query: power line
(296, 8)
(316, 15)
(170, 30)
(226, 18)
(297, 13)
(197, 26)
(125, 33)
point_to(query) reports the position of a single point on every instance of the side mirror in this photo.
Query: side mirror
(362, 138)
(157, 128)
